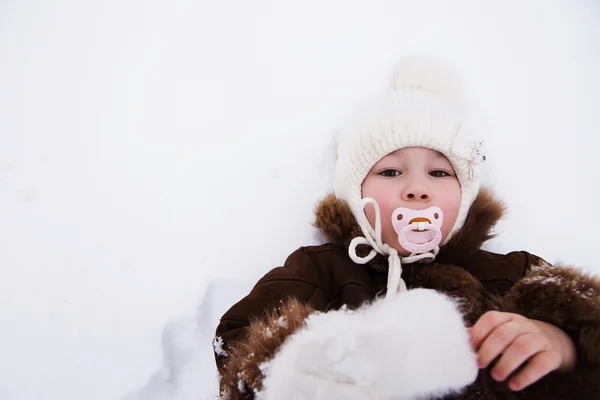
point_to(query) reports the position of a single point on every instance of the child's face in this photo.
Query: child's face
(412, 177)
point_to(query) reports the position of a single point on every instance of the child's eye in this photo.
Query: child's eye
(390, 173)
(438, 173)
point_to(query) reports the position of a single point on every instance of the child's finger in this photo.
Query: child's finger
(498, 341)
(539, 365)
(520, 350)
(486, 324)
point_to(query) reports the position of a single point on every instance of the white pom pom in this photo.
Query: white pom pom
(428, 74)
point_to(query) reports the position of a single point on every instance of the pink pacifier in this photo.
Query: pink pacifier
(419, 231)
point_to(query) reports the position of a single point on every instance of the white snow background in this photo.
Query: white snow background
(148, 148)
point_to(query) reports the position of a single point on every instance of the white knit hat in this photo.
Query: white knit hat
(426, 109)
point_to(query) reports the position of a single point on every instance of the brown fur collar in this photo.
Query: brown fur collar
(337, 224)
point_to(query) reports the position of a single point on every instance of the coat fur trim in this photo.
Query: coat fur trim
(335, 220)
(243, 377)
(485, 212)
(569, 299)
(337, 224)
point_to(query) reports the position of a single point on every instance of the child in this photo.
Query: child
(402, 302)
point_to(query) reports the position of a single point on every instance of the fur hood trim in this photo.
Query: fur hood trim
(337, 224)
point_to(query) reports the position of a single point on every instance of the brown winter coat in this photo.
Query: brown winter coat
(323, 278)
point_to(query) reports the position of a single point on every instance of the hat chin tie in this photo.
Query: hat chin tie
(418, 232)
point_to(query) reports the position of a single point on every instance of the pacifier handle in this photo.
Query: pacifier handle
(420, 247)
(406, 220)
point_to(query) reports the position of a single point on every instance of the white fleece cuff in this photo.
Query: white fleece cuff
(414, 345)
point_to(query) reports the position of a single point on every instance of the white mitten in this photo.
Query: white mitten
(414, 345)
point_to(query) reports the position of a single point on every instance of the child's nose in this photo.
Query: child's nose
(415, 193)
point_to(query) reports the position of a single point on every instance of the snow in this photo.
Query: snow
(282, 322)
(218, 347)
(156, 158)
(188, 370)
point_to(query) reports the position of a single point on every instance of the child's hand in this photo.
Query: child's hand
(518, 339)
